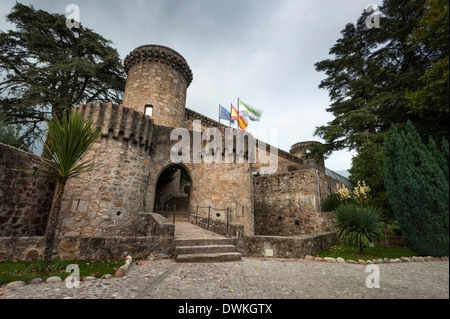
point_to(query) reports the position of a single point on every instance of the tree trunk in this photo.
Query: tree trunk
(361, 252)
(52, 222)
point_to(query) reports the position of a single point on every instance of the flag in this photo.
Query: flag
(243, 122)
(249, 111)
(234, 113)
(224, 114)
(248, 115)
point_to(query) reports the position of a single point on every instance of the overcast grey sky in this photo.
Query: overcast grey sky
(262, 51)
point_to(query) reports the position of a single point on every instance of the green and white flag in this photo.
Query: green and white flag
(249, 111)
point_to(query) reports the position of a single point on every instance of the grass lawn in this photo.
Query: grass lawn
(26, 271)
(377, 252)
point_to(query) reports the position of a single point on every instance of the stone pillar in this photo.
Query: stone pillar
(157, 77)
(107, 200)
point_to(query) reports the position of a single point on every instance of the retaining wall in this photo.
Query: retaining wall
(284, 246)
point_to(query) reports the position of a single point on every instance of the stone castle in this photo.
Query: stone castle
(125, 207)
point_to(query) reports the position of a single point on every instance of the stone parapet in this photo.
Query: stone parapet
(120, 122)
(284, 246)
(85, 248)
(218, 226)
(160, 226)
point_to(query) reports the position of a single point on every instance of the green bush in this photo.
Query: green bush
(330, 203)
(292, 168)
(359, 226)
(394, 229)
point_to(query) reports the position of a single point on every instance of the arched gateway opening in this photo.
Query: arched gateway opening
(172, 191)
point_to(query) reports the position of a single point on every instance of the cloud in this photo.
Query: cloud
(260, 51)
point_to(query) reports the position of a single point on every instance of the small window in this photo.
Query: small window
(148, 110)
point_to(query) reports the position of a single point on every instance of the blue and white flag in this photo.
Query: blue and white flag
(224, 114)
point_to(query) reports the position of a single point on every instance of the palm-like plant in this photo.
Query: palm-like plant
(68, 140)
(359, 226)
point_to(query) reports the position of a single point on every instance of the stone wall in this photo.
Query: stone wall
(288, 204)
(84, 248)
(159, 243)
(220, 185)
(284, 247)
(225, 186)
(88, 248)
(108, 247)
(21, 248)
(25, 198)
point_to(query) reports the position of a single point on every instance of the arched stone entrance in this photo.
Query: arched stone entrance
(173, 190)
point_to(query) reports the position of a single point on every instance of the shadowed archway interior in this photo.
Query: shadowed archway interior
(173, 191)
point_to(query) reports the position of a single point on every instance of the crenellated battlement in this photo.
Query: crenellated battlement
(161, 54)
(120, 122)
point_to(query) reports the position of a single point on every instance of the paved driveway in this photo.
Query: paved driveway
(255, 278)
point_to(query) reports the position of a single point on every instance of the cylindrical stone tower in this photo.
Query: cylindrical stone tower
(108, 200)
(157, 80)
(299, 150)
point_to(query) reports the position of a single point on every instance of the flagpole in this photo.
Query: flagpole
(238, 113)
(231, 104)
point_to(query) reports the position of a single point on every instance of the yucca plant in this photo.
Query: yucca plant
(359, 226)
(68, 140)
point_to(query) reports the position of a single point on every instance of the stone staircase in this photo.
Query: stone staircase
(181, 213)
(206, 250)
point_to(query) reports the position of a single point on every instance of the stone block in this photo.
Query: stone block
(329, 259)
(16, 284)
(53, 279)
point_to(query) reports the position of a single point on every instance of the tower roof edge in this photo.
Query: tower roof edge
(161, 54)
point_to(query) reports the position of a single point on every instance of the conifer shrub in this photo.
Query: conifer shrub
(418, 190)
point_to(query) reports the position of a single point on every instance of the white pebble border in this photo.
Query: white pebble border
(375, 261)
(120, 273)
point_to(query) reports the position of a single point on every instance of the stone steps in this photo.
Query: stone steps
(206, 250)
(182, 216)
(211, 258)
